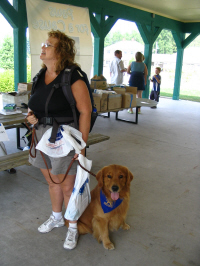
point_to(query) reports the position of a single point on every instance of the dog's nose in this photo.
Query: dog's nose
(115, 188)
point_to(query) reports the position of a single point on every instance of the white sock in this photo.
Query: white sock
(57, 215)
(73, 226)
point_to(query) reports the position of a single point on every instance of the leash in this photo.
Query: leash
(34, 142)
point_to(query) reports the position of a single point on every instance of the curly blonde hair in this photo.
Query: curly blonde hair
(65, 50)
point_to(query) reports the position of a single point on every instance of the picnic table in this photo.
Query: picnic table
(139, 102)
(20, 158)
(16, 120)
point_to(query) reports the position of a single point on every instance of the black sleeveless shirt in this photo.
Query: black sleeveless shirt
(58, 104)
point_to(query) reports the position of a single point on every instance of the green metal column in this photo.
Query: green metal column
(179, 38)
(98, 55)
(149, 34)
(181, 43)
(148, 59)
(20, 64)
(100, 28)
(178, 72)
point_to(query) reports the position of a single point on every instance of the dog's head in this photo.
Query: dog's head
(114, 180)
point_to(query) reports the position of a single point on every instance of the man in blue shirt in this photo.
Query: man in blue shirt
(155, 93)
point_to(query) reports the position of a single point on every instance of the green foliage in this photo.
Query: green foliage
(165, 43)
(7, 54)
(131, 60)
(28, 72)
(117, 36)
(7, 81)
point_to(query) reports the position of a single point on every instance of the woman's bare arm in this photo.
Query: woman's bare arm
(83, 104)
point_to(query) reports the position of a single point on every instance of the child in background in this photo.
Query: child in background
(155, 93)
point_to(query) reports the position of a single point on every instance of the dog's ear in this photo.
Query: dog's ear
(99, 177)
(129, 177)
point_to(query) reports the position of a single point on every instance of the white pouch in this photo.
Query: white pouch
(65, 142)
(80, 197)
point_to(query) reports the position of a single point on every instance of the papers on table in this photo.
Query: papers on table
(3, 112)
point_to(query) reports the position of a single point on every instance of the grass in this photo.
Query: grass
(182, 97)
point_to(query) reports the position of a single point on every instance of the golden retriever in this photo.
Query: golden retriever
(114, 189)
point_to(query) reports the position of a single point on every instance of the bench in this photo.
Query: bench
(21, 158)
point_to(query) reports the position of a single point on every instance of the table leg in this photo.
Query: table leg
(106, 116)
(18, 136)
(128, 121)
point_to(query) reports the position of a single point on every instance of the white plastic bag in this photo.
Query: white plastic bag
(3, 134)
(80, 197)
(65, 142)
(2, 149)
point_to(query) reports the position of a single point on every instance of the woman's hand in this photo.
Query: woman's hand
(82, 152)
(32, 118)
(76, 156)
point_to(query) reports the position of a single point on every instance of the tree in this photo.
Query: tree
(117, 36)
(7, 54)
(165, 43)
(28, 50)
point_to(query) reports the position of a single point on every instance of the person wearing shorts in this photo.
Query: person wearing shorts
(57, 53)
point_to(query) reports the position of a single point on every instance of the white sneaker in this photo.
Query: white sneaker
(50, 224)
(26, 148)
(71, 239)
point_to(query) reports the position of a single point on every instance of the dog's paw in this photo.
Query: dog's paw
(126, 227)
(109, 246)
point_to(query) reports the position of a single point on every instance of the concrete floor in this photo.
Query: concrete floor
(163, 153)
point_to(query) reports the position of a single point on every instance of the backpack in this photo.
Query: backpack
(66, 88)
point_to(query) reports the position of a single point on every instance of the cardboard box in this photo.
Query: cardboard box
(104, 102)
(14, 97)
(98, 82)
(126, 100)
(114, 101)
(119, 90)
(97, 101)
(131, 89)
(25, 87)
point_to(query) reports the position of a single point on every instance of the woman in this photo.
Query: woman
(57, 53)
(138, 78)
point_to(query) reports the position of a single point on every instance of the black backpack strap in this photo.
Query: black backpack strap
(35, 79)
(66, 87)
(54, 131)
(55, 86)
(88, 85)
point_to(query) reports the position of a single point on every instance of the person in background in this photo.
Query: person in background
(117, 68)
(138, 71)
(155, 93)
(57, 53)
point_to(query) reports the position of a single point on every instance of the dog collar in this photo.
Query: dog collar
(108, 206)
